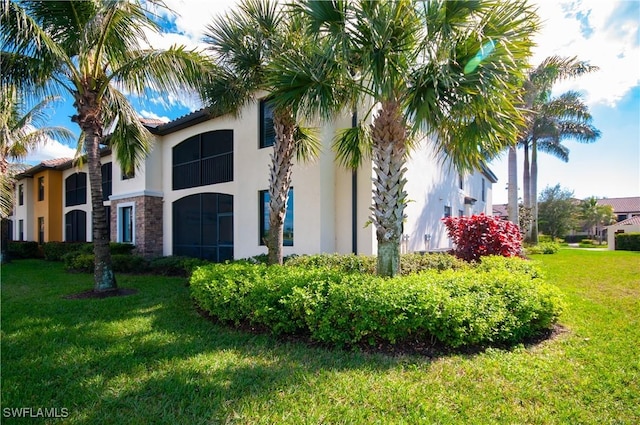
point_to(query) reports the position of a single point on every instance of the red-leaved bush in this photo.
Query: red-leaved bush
(481, 235)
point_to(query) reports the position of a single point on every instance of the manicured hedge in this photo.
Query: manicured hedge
(543, 248)
(23, 249)
(409, 263)
(54, 251)
(500, 302)
(83, 262)
(628, 241)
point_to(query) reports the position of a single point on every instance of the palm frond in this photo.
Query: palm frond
(353, 145)
(307, 143)
(130, 140)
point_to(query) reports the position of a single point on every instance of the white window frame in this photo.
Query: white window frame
(119, 222)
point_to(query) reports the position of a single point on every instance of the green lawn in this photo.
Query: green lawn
(150, 358)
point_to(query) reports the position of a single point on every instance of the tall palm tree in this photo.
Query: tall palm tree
(558, 119)
(22, 129)
(536, 92)
(95, 51)
(245, 41)
(440, 67)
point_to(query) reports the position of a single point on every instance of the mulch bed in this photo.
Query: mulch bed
(120, 292)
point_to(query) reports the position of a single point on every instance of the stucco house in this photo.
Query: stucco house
(629, 225)
(202, 192)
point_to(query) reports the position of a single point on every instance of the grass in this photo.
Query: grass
(150, 358)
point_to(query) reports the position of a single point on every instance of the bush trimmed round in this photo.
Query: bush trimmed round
(504, 301)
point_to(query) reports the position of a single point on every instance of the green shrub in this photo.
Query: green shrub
(498, 302)
(416, 262)
(54, 251)
(543, 248)
(79, 262)
(409, 263)
(84, 263)
(174, 265)
(347, 263)
(544, 239)
(118, 248)
(575, 238)
(628, 241)
(23, 249)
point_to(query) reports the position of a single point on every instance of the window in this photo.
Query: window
(460, 182)
(287, 239)
(447, 212)
(75, 226)
(203, 226)
(10, 229)
(20, 230)
(21, 194)
(203, 159)
(125, 223)
(460, 213)
(40, 230)
(75, 189)
(267, 132)
(107, 171)
(484, 190)
(40, 188)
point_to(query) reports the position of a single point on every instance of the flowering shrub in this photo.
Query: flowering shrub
(481, 235)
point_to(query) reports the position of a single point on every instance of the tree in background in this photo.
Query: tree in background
(245, 42)
(596, 215)
(447, 69)
(95, 51)
(550, 121)
(557, 210)
(22, 129)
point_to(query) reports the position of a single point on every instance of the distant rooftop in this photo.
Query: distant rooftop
(629, 222)
(621, 205)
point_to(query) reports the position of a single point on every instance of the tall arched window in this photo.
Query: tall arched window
(203, 159)
(203, 226)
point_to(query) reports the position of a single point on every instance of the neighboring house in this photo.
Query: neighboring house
(623, 208)
(629, 225)
(202, 192)
(501, 211)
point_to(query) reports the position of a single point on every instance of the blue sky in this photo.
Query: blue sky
(604, 33)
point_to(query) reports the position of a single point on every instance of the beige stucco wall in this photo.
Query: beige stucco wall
(611, 233)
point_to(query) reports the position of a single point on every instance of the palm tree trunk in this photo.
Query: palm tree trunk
(513, 186)
(280, 181)
(534, 192)
(90, 122)
(526, 187)
(389, 134)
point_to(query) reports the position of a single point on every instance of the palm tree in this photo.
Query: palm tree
(440, 67)
(596, 215)
(22, 129)
(95, 51)
(245, 42)
(537, 92)
(561, 118)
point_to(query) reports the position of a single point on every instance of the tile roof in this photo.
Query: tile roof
(52, 163)
(628, 222)
(620, 205)
(500, 209)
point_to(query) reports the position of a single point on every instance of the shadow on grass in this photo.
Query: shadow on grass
(148, 357)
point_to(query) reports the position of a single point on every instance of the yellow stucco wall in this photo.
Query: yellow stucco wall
(51, 207)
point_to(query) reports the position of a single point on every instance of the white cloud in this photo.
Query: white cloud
(190, 20)
(594, 31)
(153, 115)
(52, 149)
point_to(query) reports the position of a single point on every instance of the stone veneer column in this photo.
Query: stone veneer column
(148, 224)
